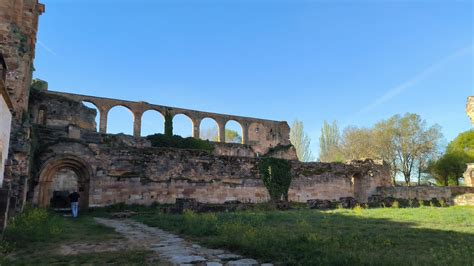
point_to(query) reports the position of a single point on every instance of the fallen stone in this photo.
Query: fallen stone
(213, 264)
(243, 262)
(187, 259)
(229, 257)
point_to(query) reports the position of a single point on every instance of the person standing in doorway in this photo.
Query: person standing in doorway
(74, 199)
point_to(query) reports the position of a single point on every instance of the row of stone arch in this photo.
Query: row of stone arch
(214, 130)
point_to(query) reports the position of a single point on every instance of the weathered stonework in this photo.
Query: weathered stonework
(18, 27)
(453, 195)
(146, 175)
(124, 169)
(469, 175)
(261, 134)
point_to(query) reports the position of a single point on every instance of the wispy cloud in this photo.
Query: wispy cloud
(402, 87)
(46, 48)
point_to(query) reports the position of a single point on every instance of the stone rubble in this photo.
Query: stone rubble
(172, 248)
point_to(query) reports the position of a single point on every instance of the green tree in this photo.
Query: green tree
(450, 167)
(212, 134)
(329, 143)
(301, 141)
(464, 142)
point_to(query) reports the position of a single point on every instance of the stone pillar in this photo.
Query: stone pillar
(196, 128)
(221, 125)
(469, 175)
(137, 124)
(104, 112)
(245, 133)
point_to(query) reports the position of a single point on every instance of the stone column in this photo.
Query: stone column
(196, 128)
(137, 124)
(221, 125)
(245, 133)
(469, 175)
(104, 112)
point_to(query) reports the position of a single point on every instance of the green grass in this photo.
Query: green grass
(386, 236)
(128, 257)
(38, 236)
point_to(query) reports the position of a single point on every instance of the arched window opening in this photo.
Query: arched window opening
(90, 105)
(153, 122)
(233, 132)
(120, 120)
(182, 126)
(209, 130)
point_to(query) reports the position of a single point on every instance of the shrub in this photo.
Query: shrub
(160, 140)
(33, 225)
(395, 204)
(442, 203)
(276, 175)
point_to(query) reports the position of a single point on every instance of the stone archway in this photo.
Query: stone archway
(67, 169)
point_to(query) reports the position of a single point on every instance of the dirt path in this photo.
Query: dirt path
(171, 248)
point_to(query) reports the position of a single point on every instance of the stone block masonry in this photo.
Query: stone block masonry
(108, 174)
(452, 195)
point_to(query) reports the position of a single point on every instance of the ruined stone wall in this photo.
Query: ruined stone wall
(261, 134)
(427, 193)
(142, 175)
(58, 110)
(53, 110)
(18, 28)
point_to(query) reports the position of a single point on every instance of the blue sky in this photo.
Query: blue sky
(356, 62)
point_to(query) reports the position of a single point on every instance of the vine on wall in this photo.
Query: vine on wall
(168, 124)
(276, 175)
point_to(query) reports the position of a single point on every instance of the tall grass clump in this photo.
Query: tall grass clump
(33, 225)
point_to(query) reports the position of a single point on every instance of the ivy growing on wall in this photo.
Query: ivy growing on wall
(168, 124)
(276, 175)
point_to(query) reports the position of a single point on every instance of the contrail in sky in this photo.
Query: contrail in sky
(390, 94)
(46, 48)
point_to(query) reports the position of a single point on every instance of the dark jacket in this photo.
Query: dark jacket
(74, 197)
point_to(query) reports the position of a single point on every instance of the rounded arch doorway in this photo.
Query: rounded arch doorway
(60, 176)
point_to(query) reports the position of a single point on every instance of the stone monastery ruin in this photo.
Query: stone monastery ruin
(53, 147)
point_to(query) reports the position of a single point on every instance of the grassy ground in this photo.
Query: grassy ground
(386, 236)
(39, 237)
